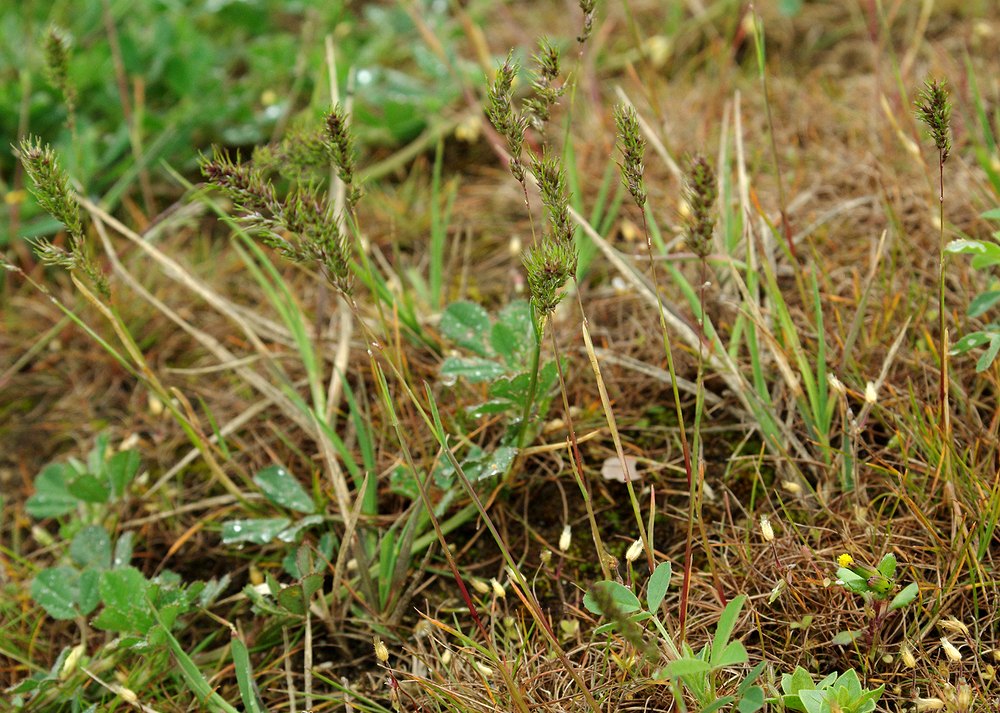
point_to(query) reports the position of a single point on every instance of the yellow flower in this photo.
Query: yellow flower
(845, 560)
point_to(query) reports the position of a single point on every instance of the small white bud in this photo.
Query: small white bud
(480, 586)
(634, 551)
(836, 384)
(928, 704)
(156, 406)
(483, 669)
(498, 590)
(446, 657)
(381, 652)
(871, 394)
(950, 650)
(765, 529)
(129, 442)
(127, 695)
(565, 538)
(515, 576)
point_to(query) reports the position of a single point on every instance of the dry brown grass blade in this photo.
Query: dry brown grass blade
(718, 360)
(654, 372)
(240, 316)
(743, 183)
(271, 392)
(890, 357)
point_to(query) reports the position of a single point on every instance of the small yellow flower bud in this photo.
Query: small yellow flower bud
(381, 652)
(481, 586)
(468, 129)
(951, 625)
(72, 659)
(498, 590)
(963, 697)
(929, 704)
(845, 560)
(765, 529)
(791, 487)
(950, 650)
(907, 656)
(634, 551)
(446, 657)
(127, 695)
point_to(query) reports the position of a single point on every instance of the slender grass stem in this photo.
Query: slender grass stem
(529, 400)
(578, 463)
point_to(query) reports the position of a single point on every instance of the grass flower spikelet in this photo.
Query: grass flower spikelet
(933, 108)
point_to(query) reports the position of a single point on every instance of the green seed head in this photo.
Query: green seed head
(934, 109)
(701, 195)
(633, 148)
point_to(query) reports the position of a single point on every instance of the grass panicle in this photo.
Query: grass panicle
(545, 92)
(548, 266)
(701, 193)
(504, 117)
(633, 149)
(587, 7)
(551, 176)
(57, 48)
(933, 109)
(51, 188)
(315, 232)
(342, 152)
